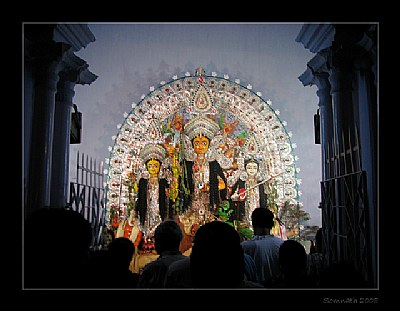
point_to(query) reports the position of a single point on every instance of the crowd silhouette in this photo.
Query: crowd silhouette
(57, 255)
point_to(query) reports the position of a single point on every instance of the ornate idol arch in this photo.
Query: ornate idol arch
(248, 128)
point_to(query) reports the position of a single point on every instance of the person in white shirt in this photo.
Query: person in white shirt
(264, 247)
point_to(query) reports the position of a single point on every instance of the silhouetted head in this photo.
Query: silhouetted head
(121, 251)
(52, 232)
(167, 236)
(262, 217)
(292, 257)
(57, 243)
(217, 259)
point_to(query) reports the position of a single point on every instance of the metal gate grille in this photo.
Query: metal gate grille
(86, 194)
(345, 221)
(345, 207)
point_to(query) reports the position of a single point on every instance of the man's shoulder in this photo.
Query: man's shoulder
(248, 243)
(178, 266)
(185, 261)
(276, 240)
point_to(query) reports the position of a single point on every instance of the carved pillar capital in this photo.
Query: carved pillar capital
(340, 78)
(47, 65)
(324, 89)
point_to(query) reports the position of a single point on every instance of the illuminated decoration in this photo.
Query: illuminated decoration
(152, 151)
(202, 101)
(201, 125)
(241, 124)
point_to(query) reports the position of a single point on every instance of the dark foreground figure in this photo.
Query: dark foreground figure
(56, 249)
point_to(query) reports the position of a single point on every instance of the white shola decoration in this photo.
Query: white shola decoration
(259, 94)
(125, 115)
(133, 105)
(249, 86)
(151, 88)
(214, 74)
(226, 77)
(113, 137)
(277, 112)
(143, 96)
(237, 81)
(119, 125)
(269, 102)
(162, 82)
(175, 77)
(187, 74)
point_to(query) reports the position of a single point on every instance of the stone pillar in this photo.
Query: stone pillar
(45, 75)
(368, 114)
(340, 78)
(325, 107)
(62, 121)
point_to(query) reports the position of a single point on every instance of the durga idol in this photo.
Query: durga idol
(204, 176)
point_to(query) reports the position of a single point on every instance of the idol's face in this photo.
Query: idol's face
(252, 169)
(200, 144)
(170, 149)
(153, 166)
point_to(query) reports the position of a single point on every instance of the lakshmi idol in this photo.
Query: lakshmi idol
(152, 204)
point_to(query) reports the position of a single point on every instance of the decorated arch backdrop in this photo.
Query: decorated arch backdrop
(248, 127)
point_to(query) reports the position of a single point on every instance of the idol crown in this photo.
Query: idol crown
(153, 151)
(201, 125)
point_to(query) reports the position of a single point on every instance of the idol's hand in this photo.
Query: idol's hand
(235, 197)
(221, 184)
